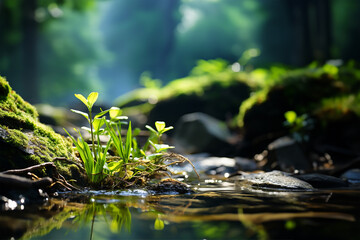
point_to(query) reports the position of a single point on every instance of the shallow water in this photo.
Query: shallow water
(218, 210)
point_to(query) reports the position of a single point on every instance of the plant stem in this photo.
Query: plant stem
(92, 135)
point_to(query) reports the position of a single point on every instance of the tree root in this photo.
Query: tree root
(18, 178)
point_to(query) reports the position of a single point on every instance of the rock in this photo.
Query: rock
(223, 166)
(288, 155)
(17, 188)
(297, 91)
(170, 186)
(24, 141)
(214, 95)
(318, 180)
(245, 164)
(352, 176)
(273, 179)
(198, 132)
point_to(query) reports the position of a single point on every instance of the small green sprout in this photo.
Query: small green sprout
(299, 126)
(160, 129)
(130, 162)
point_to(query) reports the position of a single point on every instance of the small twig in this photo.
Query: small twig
(170, 156)
(64, 182)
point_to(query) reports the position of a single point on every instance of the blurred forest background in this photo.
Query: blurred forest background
(51, 49)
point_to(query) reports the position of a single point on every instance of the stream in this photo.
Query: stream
(218, 209)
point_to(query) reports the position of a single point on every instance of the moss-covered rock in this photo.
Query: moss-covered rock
(24, 141)
(327, 94)
(217, 93)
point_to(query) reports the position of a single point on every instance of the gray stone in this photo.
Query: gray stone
(245, 164)
(273, 179)
(198, 132)
(318, 180)
(352, 176)
(288, 155)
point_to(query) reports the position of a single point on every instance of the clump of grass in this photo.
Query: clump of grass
(130, 164)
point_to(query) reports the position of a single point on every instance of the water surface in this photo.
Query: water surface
(217, 210)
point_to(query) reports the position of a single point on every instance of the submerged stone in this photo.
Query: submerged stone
(274, 179)
(24, 141)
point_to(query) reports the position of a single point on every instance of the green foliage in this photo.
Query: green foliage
(130, 162)
(160, 129)
(159, 224)
(4, 88)
(299, 125)
(306, 90)
(212, 83)
(21, 129)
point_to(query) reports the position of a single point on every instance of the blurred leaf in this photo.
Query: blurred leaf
(290, 116)
(159, 125)
(83, 99)
(115, 112)
(81, 113)
(91, 99)
(159, 224)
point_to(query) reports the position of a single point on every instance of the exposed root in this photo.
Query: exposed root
(25, 171)
(57, 178)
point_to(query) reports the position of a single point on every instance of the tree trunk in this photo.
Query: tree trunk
(29, 80)
(302, 53)
(322, 32)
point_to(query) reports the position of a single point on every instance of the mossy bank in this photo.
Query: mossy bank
(24, 141)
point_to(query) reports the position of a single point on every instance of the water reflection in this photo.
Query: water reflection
(212, 213)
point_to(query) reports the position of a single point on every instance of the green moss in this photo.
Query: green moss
(305, 90)
(256, 98)
(4, 88)
(24, 141)
(17, 138)
(212, 88)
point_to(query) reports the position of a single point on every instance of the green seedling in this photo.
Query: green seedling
(299, 126)
(130, 162)
(95, 159)
(160, 129)
(122, 148)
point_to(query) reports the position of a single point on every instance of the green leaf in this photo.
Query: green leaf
(92, 99)
(159, 224)
(167, 129)
(101, 114)
(141, 168)
(151, 129)
(290, 116)
(162, 147)
(114, 112)
(115, 166)
(128, 142)
(81, 113)
(98, 123)
(136, 132)
(153, 156)
(83, 99)
(159, 126)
